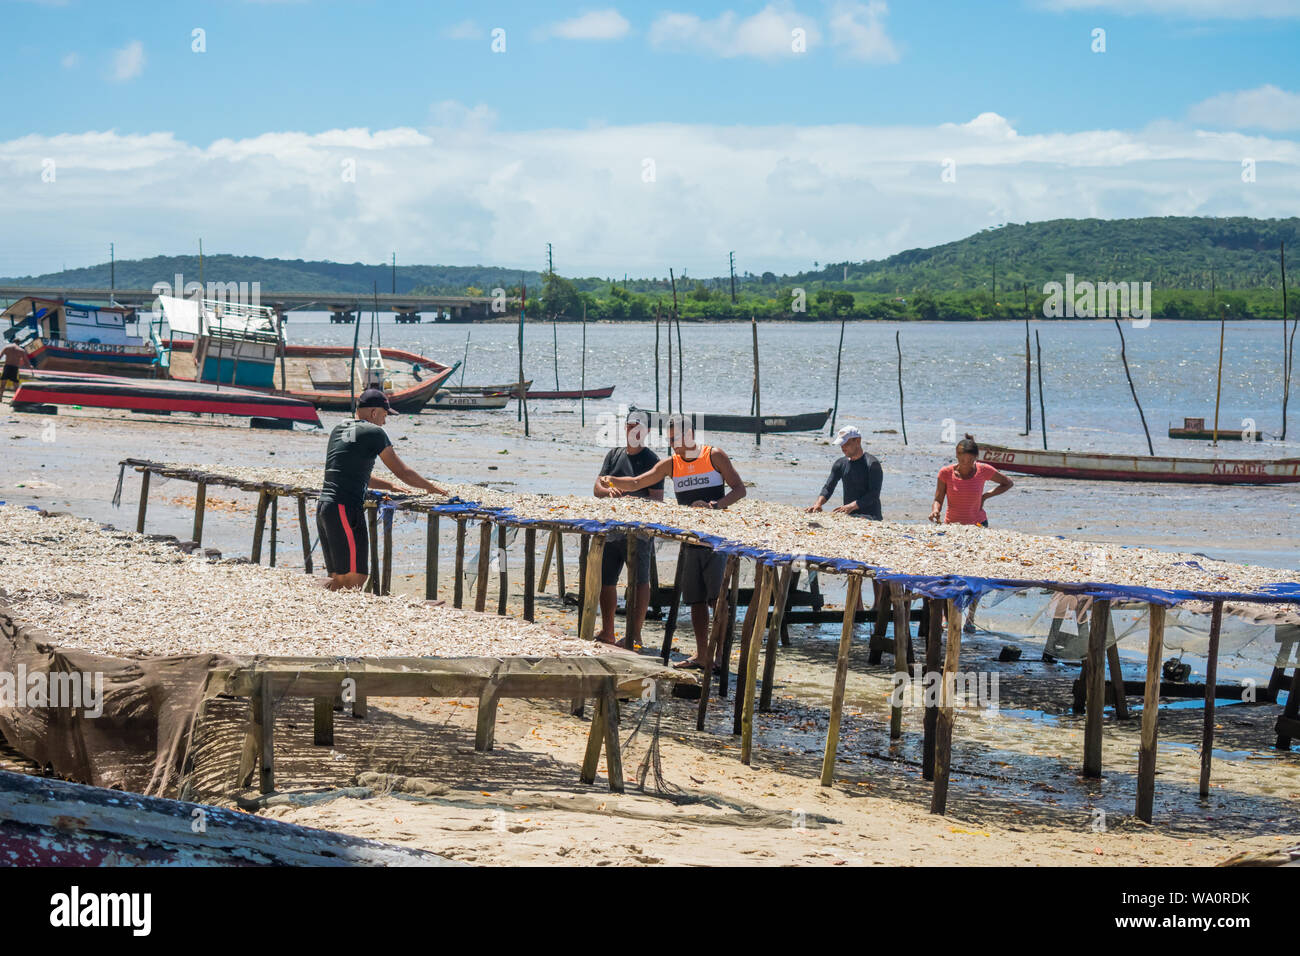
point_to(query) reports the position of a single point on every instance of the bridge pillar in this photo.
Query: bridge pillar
(343, 318)
(408, 318)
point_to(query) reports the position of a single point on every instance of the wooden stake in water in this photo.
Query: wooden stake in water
(657, 310)
(464, 362)
(582, 382)
(1042, 410)
(758, 400)
(1286, 353)
(898, 343)
(1123, 354)
(839, 356)
(523, 400)
(1218, 388)
(1029, 403)
(555, 351)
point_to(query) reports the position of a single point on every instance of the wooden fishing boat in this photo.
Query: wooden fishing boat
(67, 336)
(1098, 467)
(1194, 430)
(511, 389)
(157, 396)
(757, 424)
(445, 399)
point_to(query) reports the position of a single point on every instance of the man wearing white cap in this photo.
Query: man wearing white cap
(861, 474)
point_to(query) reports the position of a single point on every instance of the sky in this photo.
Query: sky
(633, 137)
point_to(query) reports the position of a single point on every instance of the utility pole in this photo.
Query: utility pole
(733, 277)
(394, 273)
(550, 260)
(112, 272)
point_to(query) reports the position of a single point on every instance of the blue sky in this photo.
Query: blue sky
(115, 97)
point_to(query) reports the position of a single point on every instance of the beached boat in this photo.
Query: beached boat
(445, 399)
(757, 424)
(157, 396)
(1098, 467)
(605, 392)
(61, 336)
(243, 345)
(1194, 430)
(511, 389)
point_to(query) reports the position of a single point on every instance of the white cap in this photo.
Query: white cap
(845, 433)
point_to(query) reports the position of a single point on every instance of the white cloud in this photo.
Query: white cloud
(787, 195)
(1264, 108)
(465, 30)
(70, 61)
(128, 62)
(767, 34)
(595, 25)
(859, 29)
(1194, 9)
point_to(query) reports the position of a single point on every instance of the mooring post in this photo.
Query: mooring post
(144, 501)
(1146, 785)
(1098, 627)
(1211, 678)
(259, 525)
(713, 641)
(530, 561)
(304, 531)
(841, 679)
(200, 506)
(944, 723)
(458, 587)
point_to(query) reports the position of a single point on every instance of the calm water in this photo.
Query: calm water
(972, 373)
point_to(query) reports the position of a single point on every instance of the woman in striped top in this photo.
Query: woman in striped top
(962, 486)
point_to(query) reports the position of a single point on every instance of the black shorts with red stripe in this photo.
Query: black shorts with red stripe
(343, 539)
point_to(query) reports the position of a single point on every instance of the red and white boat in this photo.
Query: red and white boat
(1098, 467)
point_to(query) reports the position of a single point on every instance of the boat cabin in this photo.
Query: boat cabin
(75, 337)
(233, 343)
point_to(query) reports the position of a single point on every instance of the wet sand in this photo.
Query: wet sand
(1016, 795)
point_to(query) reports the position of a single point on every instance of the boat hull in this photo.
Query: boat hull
(449, 402)
(94, 359)
(759, 424)
(1098, 467)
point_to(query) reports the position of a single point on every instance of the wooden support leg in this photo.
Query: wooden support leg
(674, 605)
(595, 740)
(431, 557)
(360, 706)
(304, 531)
(629, 562)
(323, 721)
(458, 587)
(259, 525)
(503, 577)
(654, 580)
(1211, 678)
(841, 679)
(546, 562)
(386, 575)
(933, 661)
(714, 638)
(1146, 785)
(746, 632)
(267, 697)
(944, 724)
(484, 564)
(144, 502)
(252, 748)
(775, 629)
(372, 532)
(613, 752)
(275, 526)
(1098, 627)
(583, 544)
(530, 561)
(880, 604)
(485, 732)
(902, 656)
(1117, 682)
(1287, 721)
(724, 672)
(561, 586)
(200, 506)
(745, 677)
(591, 587)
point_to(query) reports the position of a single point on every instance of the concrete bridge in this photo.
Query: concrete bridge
(342, 306)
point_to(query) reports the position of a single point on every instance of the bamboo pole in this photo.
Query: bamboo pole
(458, 586)
(431, 557)
(1123, 354)
(774, 638)
(902, 420)
(670, 343)
(582, 387)
(555, 351)
(144, 502)
(523, 391)
(200, 506)
(1042, 409)
(713, 640)
(841, 679)
(944, 721)
(1218, 388)
(1029, 404)
(304, 530)
(530, 561)
(484, 564)
(1286, 360)
(753, 644)
(758, 398)
(1211, 679)
(1098, 628)
(839, 358)
(1146, 785)
(657, 401)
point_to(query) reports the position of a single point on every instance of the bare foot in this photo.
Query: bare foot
(693, 663)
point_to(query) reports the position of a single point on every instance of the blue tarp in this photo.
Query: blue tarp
(961, 588)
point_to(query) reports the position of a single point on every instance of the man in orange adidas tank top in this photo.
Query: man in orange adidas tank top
(702, 477)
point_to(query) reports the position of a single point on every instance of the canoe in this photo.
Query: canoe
(323, 375)
(1098, 467)
(443, 399)
(756, 424)
(158, 396)
(605, 392)
(509, 388)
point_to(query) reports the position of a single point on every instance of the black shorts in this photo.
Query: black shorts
(10, 374)
(614, 559)
(343, 539)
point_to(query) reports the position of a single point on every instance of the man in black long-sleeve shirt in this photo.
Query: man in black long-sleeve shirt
(861, 474)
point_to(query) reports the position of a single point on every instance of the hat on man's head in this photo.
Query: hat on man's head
(846, 433)
(374, 398)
